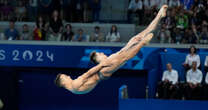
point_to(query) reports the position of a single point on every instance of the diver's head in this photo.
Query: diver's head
(97, 57)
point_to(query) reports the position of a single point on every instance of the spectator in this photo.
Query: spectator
(193, 78)
(206, 64)
(195, 24)
(11, 33)
(205, 87)
(71, 15)
(154, 3)
(56, 27)
(68, 35)
(78, 11)
(113, 35)
(56, 5)
(182, 20)
(87, 16)
(191, 57)
(45, 8)
(195, 3)
(205, 18)
(174, 3)
(33, 7)
(6, 10)
(195, 31)
(187, 4)
(164, 35)
(1, 104)
(189, 37)
(80, 37)
(1, 5)
(20, 11)
(65, 9)
(96, 7)
(97, 35)
(204, 35)
(39, 32)
(176, 35)
(168, 88)
(169, 21)
(25, 35)
(194, 19)
(135, 7)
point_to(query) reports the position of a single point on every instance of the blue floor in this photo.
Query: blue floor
(156, 104)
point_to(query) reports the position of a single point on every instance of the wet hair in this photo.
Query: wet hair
(92, 57)
(192, 46)
(57, 81)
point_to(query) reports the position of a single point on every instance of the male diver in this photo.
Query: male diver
(106, 66)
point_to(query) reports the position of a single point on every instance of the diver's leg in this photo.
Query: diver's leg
(150, 28)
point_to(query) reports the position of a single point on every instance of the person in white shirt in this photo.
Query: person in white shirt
(168, 88)
(206, 64)
(1, 104)
(113, 35)
(135, 7)
(192, 56)
(194, 78)
(205, 88)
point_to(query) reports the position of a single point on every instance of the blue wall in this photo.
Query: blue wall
(37, 66)
(37, 91)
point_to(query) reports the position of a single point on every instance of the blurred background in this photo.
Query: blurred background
(41, 38)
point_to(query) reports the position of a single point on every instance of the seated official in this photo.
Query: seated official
(205, 88)
(193, 82)
(206, 64)
(1, 104)
(168, 88)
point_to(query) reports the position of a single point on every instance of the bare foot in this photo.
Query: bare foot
(147, 38)
(163, 10)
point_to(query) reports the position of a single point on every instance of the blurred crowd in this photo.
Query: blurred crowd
(70, 10)
(50, 18)
(55, 30)
(186, 25)
(186, 21)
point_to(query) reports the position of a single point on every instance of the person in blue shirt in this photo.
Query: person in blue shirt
(11, 33)
(80, 37)
(187, 3)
